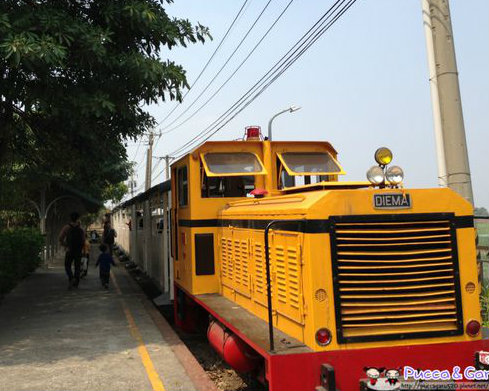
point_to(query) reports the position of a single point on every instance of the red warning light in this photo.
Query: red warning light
(253, 133)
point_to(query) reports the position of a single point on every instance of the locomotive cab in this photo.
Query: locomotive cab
(204, 182)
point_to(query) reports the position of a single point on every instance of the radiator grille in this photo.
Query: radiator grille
(395, 277)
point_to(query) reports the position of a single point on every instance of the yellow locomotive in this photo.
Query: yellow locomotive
(309, 280)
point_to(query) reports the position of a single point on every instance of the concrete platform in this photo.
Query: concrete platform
(90, 339)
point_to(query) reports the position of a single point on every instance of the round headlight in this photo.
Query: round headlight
(375, 175)
(383, 156)
(394, 175)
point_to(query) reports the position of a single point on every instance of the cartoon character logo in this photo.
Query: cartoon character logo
(382, 379)
(392, 376)
(373, 374)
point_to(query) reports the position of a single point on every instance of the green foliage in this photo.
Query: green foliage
(115, 193)
(90, 218)
(74, 76)
(484, 300)
(17, 218)
(481, 211)
(19, 255)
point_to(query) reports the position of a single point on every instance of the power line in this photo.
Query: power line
(222, 67)
(304, 43)
(137, 150)
(234, 72)
(277, 65)
(209, 60)
(301, 46)
(158, 173)
(229, 58)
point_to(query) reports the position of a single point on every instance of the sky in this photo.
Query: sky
(362, 85)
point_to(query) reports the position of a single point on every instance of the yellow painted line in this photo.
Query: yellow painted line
(114, 281)
(153, 376)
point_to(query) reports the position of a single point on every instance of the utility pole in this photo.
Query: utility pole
(167, 159)
(149, 161)
(453, 160)
(132, 184)
(167, 167)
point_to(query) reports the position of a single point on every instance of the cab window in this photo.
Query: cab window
(286, 180)
(305, 168)
(226, 174)
(232, 164)
(303, 163)
(226, 186)
(182, 176)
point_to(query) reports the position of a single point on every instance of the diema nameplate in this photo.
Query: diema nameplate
(392, 201)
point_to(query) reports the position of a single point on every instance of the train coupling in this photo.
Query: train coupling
(327, 379)
(482, 360)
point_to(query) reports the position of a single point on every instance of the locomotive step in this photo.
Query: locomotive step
(249, 327)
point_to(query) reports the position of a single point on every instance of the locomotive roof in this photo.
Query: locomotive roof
(243, 143)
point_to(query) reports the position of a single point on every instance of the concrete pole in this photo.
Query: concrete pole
(147, 237)
(149, 162)
(133, 235)
(131, 184)
(440, 152)
(449, 101)
(167, 167)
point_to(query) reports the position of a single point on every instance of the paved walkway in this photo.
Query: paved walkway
(89, 339)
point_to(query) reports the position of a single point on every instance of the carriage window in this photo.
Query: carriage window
(309, 163)
(232, 164)
(182, 186)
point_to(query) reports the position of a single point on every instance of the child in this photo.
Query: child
(85, 259)
(104, 260)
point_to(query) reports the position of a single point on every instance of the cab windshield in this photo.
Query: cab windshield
(229, 174)
(240, 163)
(309, 163)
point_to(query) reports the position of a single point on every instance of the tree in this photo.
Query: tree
(115, 193)
(481, 211)
(74, 76)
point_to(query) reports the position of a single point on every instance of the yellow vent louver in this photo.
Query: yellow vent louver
(395, 277)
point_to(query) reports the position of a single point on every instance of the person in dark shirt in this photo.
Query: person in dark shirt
(72, 238)
(104, 261)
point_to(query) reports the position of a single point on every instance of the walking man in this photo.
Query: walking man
(72, 238)
(109, 236)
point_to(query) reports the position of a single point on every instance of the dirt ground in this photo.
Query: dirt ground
(222, 375)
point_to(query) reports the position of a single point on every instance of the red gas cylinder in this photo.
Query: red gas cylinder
(240, 356)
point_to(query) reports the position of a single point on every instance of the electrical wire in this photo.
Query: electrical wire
(234, 72)
(160, 173)
(137, 150)
(304, 43)
(263, 80)
(209, 60)
(222, 67)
